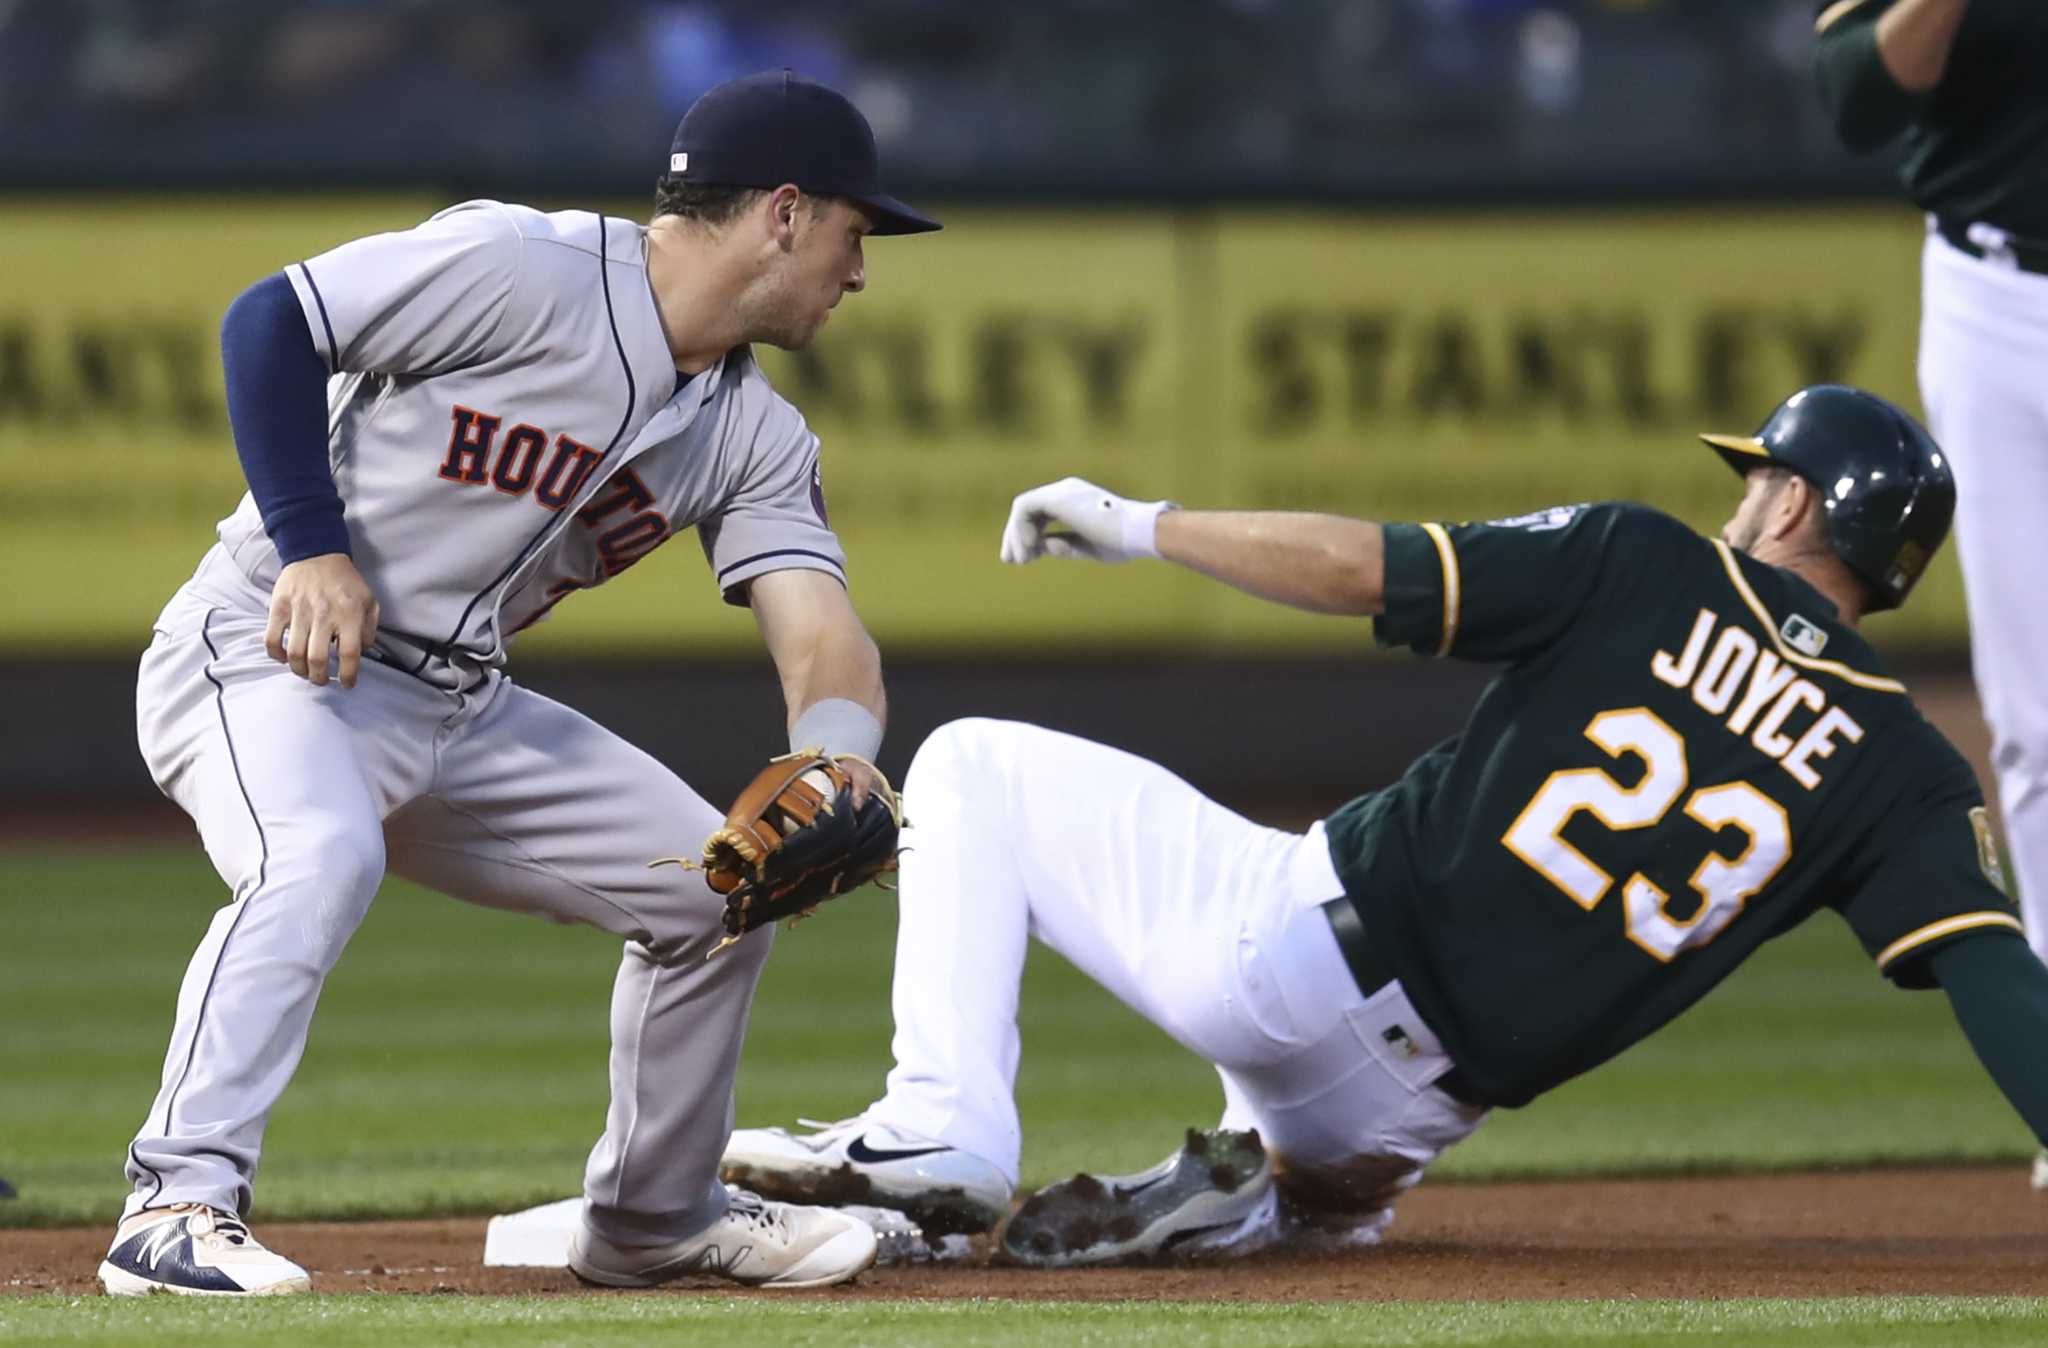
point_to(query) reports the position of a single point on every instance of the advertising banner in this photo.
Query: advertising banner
(1395, 366)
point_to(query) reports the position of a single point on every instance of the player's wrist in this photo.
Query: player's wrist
(1141, 526)
(315, 531)
(837, 725)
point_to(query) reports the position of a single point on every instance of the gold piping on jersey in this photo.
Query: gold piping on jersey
(1835, 11)
(1448, 555)
(1948, 926)
(1785, 652)
(1741, 444)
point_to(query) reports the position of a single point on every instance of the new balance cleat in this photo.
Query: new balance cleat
(191, 1250)
(944, 1190)
(1215, 1195)
(756, 1242)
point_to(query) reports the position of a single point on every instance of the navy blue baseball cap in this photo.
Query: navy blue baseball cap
(778, 127)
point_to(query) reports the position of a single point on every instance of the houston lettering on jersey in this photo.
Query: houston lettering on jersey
(1761, 694)
(631, 526)
(476, 457)
(627, 527)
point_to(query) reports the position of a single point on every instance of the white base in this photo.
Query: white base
(535, 1238)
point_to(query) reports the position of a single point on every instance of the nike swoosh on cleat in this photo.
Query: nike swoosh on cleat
(1152, 1183)
(860, 1152)
(1180, 1238)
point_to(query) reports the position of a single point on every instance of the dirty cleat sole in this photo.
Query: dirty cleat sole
(1212, 1184)
(939, 1209)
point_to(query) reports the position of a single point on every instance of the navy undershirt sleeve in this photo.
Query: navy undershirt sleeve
(277, 405)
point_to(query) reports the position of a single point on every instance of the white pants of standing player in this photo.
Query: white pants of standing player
(1984, 380)
(500, 797)
(1203, 922)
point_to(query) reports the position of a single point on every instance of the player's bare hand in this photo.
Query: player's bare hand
(321, 605)
(862, 774)
(1075, 518)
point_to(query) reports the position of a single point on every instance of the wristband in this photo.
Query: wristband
(1141, 527)
(837, 726)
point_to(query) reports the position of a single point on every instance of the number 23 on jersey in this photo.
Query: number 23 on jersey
(1724, 884)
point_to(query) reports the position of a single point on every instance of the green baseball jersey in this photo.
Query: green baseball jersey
(1685, 755)
(1975, 149)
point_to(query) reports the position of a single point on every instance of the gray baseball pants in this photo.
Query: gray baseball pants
(305, 796)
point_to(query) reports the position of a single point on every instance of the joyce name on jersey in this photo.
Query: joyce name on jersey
(1685, 755)
(507, 426)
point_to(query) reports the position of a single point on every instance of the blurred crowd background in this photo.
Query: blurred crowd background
(1078, 99)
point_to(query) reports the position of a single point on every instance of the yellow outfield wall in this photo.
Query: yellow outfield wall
(1399, 366)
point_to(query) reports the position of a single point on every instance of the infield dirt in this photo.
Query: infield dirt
(1946, 1231)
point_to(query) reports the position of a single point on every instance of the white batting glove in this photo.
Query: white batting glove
(1075, 518)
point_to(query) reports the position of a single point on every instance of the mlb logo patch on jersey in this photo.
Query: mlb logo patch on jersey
(1398, 1040)
(1805, 637)
(1540, 521)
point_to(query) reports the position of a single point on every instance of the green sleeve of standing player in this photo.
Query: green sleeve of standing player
(1868, 106)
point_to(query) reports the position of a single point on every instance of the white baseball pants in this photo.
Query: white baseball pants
(1984, 380)
(305, 796)
(1208, 925)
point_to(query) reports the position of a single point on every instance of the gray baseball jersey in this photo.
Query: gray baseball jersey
(507, 427)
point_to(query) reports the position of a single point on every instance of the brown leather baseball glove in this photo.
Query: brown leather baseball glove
(794, 839)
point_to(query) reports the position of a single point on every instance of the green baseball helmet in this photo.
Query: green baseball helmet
(1885, 484)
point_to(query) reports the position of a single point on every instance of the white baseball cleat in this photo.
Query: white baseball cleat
(2040, 1175)
(945, 1190)
(1212, 1198)
(193, 1250)
(756, 1242)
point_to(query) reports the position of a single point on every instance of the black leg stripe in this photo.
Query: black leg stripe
(262, 872)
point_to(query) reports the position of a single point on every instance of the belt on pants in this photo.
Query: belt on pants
(1995, 245)
(1373, 970)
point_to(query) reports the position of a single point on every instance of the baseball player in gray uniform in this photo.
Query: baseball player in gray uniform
(446, 431)
(1956, 88)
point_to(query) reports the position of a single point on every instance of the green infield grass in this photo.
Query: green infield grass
(381, 1321)
(457, 1062)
